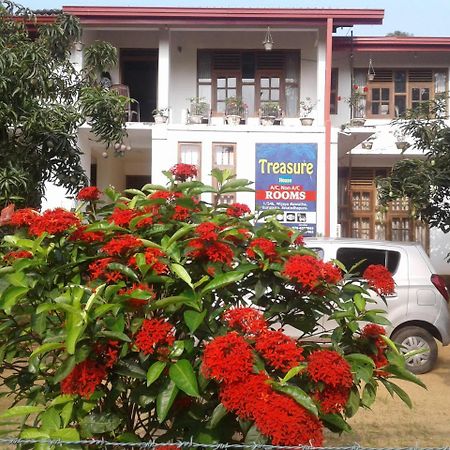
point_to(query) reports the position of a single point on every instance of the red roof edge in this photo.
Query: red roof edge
(224, 16)
(392, 44)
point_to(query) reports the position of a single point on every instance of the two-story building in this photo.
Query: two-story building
(323, 175)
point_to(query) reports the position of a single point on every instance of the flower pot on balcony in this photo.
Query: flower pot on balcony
(159, 118)
(402, 145)
(358, 122)
(195, 119)
(267, 120)
(233, 119)
(367, 145)
(306, 121)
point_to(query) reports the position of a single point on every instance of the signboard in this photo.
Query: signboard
(286, 179)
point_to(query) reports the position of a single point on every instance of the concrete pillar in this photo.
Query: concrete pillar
(164, 69)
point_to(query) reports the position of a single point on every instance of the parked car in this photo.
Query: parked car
(418, 310)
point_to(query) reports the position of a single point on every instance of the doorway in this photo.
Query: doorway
(139, 70)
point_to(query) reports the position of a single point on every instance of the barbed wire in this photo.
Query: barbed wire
(190, 444)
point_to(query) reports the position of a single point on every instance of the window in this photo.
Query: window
(254, 76)
(349, 256)
(224, 157)
(393, 91)
(191, 153)
(334, 91)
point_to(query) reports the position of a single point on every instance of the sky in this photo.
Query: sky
(419, 17)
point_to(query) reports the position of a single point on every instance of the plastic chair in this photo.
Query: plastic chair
(124, 90)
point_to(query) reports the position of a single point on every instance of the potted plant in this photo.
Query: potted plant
(306, 107)
(160, 115)
(198, 110)
(368, 143)
(234, 110)
(357, 103)
(400, 140)
(269, 112)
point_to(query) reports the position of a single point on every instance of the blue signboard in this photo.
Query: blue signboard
(286, 179)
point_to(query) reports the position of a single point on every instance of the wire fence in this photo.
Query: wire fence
(99, 444)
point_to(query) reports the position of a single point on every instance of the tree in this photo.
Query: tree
(398, 33)
(44, 101)
(425, 181)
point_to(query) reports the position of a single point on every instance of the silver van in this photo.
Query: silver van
(418, 310)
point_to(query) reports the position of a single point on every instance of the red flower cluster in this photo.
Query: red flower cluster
(84, 379)
(227, 358)
(299, 240)
(89, 193)
(248, 320)
(152, 256)
(181, 213)
(122, 217)
(97, 268)
(280, 351)
(380, 279)
(138, 302)
(155, 334)
(121, 245)
(238, 210)
(182, 172)
(373, 333)
(330, 368)
(108, 353)
(80, 234)
(19, 254)
(53, 221)
(23, 217)
(265, 246)
(207, 231)
(310, 272)
(211, 251)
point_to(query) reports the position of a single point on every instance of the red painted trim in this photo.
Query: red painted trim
(327, 120)
(225, 16)
(392, 44)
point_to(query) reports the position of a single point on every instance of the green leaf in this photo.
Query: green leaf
(185, 229)
(115, 335)
(10, 297)
(335, 423)
(193, 319)
(154, 371)
(17, 411)
(165, 399)
(292, 372)
(34, 433)
(99, 423)
(48, 347)
(217, 415)
(66, 413)
(352, 406)
(50, 420)
(64, 370)
(182, 374)
(177, 349)
(254, 436)
(130, 369)
(75, 327)
(360, 301)
(124, 270)
(222, 280)
(402, 394)
(299, 395)
(404, 374)
(369, 394)
(65, 434)
(182, 273)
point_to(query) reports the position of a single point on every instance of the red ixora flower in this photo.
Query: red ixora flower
(84, 378)
(138, 302)
(80, 234)
(380, 279)
(227, 358)
(108, 353)
(207, 231)
(19, 254)
(152, 256)
(378, 346)
(122, 217)
(53, 221)
(304, 270)
(89, 193)
(238, 210)
(23, 217)
(332, 399)
(247, 320)
(211, 251)
(280, 351)
(153, 335)
(182, 172)
(329, 367)
(265, 246)
(121, 244)
(365, 89)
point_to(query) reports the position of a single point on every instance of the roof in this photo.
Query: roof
(392, 44)
(170, 16)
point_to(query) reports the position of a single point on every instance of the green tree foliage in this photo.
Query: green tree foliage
(398, 33)
(43, 101)
(425, 181)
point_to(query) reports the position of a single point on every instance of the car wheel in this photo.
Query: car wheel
(416, 338)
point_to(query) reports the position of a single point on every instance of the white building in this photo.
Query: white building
(168, 55)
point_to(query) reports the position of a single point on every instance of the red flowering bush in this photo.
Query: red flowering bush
(164, 315)
(89, 193)
(379, 279)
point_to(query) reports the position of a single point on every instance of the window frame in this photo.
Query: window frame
(214, 165)
(199, 151)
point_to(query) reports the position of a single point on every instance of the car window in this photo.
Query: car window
(351, 255)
